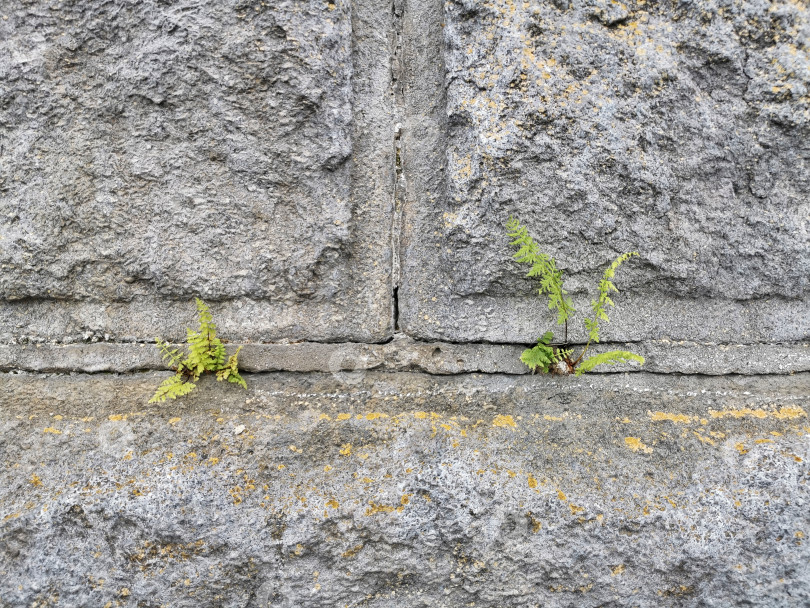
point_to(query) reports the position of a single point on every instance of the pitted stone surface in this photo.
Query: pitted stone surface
(406, 490)
(677, 129)
(152, 152)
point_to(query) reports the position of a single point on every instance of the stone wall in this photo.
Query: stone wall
(333, 178)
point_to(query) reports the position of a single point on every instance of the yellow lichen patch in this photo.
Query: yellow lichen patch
(327, 468)
(373, 509)
(128, 455)
(704, 439)
(332, 504)
(504, 421)
(346, 449)
(35, 480)
(58, 417)
(351, 552)
(536, 523)
(617, 570)
(236, 494)
(799, 534)
(118, 417)
(324, 417)
(575, 509)
(406, 498)
(343, 416)
(784, 413)
(172, 421)
(741, 448)
(554, 418)
(420, 415)
(51, 430)
(789, 412)
(375, 415)
(532, 481)
(561, 496)
(635, 444)
(763, 441)
(658, 416)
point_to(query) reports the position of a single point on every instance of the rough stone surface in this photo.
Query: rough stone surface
(402, 354)
(152, 152)
(677, 129)
(406, 490)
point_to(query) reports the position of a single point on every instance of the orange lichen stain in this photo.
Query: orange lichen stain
(504, 421)
(332, 504)
(35, 480)
(786, 412)
(236, 495)
(561, 496)
(532, 481)
(351, 552)
(324, 417)
(327, 468)
(763, 441)
(346, 449)
(680, 418)
(375, 508)
(635, 444)
(789, 412)
(174, 420)
(741, 448)
(51, 430)
(704, 439)
(343, 416)
(617, 570)
(575, 509)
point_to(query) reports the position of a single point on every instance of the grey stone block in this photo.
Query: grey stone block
(406, 490)
(352, 360)
(152, 152)
(679, 130)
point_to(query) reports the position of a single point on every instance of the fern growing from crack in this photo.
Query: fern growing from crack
(206, 354)
(544, 356)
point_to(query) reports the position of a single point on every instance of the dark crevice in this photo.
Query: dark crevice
(395, 297)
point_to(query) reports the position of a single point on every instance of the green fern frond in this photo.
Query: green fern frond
(542, 266)
(172, 388)
(173, 357)
(206, 354)
(230, 372)
(538, 356)
(609, 358)
(605, 287)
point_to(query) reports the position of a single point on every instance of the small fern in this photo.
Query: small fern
(545, 356)
(206, 354)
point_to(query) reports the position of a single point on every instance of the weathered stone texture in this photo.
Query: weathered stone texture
(405, 490)
(152, 152)
(678, 129)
